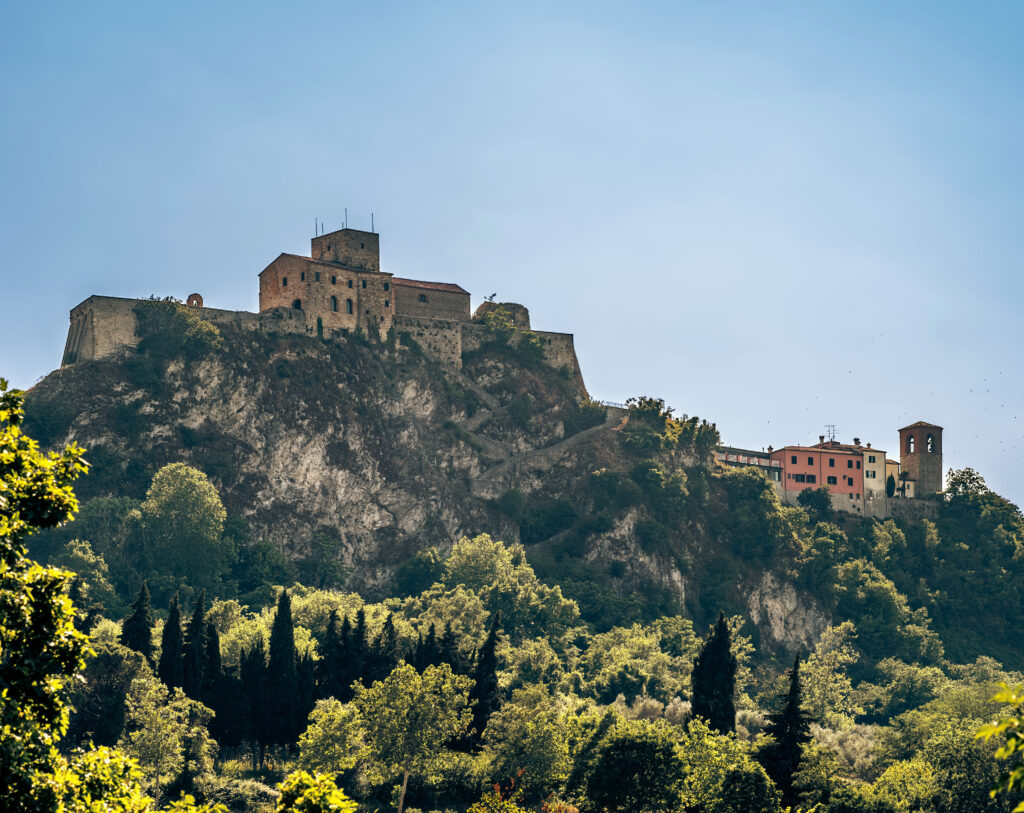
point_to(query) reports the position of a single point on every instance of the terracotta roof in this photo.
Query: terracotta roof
(450, 287)
(922, 424)
(849, 450)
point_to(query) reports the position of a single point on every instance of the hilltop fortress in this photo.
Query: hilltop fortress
(336, 291)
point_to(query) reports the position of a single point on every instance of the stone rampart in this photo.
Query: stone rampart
(440, 338)
(913, 510)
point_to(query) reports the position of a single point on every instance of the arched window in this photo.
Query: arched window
(929, 444)
(297, 304)
(349, 307)
(334, 304)
(910, 444)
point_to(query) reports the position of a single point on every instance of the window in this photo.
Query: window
(849, 464)
(297, 304)
(334, 304)
(302, 277)
(929, 444)
(364, 283)
(350, 283)
(423, 297)
(851, 495)
(316, 276)
(387, 303)
(812, 478)
(348, 306)
(910, 444)
(334, 280)
(832, 462)
(858, 464)
(871, 475)
(793, 460)
(284, 282)
(800, 478)
(810, 460)
(871, 458)
(387, 286)
(832, 481)
(361, 246)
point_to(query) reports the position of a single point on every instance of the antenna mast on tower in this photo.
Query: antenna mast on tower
(830, 431)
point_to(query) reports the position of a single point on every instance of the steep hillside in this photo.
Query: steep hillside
(357, 460)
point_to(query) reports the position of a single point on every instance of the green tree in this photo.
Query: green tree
(280, 704)
(181, 528)
(713, 680)
(828, 690)
(1011, 730)
(40, 649)
(303, 793)
(333, 740)
(817, 502)
(485, 697)
(408, 717)
(527, 741)
(98, 699)
(137, 628)
(638, 769)
(171, 667)
(155, 729)
(789, 729)
(195, 649)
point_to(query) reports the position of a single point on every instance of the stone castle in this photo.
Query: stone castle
(336, 291)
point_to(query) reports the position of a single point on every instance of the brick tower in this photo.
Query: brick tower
(921, 457)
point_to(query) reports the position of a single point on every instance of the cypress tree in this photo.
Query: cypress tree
(328, 668)
(252, 723)
(386, 649)
(305, 690)
(449, 648)
(212, 670)
(789, 729)
(713, 680)
(281, 706)
(431, 651)
(137, 628)
(171, 668)
(195, 649)
(485, 697)
(357, 649)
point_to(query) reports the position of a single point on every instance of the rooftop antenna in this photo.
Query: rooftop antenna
(371, 223)
(830, 431)
(316, 227)
(346, 217)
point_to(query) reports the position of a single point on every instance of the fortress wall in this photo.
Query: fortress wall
(440, 338)
(913, 510)
(100, 326)
(559, 350)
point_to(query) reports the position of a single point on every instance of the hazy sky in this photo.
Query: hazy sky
(775, 216)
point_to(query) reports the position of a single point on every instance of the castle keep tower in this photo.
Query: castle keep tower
(338, 289)
(921, 457)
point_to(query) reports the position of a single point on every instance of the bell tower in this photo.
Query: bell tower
(921, 457)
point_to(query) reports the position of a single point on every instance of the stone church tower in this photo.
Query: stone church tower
(921, 457)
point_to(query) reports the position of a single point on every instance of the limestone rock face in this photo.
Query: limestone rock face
(787, 619)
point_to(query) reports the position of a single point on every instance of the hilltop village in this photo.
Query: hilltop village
(860, 478)
(340, 290)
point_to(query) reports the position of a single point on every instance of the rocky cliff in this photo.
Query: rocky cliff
(382, 452)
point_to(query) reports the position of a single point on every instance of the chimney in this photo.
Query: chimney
(856, 441)
(821, 438)
(869, 445)
(769, 450)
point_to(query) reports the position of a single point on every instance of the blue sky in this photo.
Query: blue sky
(774, 216)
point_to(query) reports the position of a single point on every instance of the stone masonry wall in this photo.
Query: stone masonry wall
(440, 338)
(438, 305)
